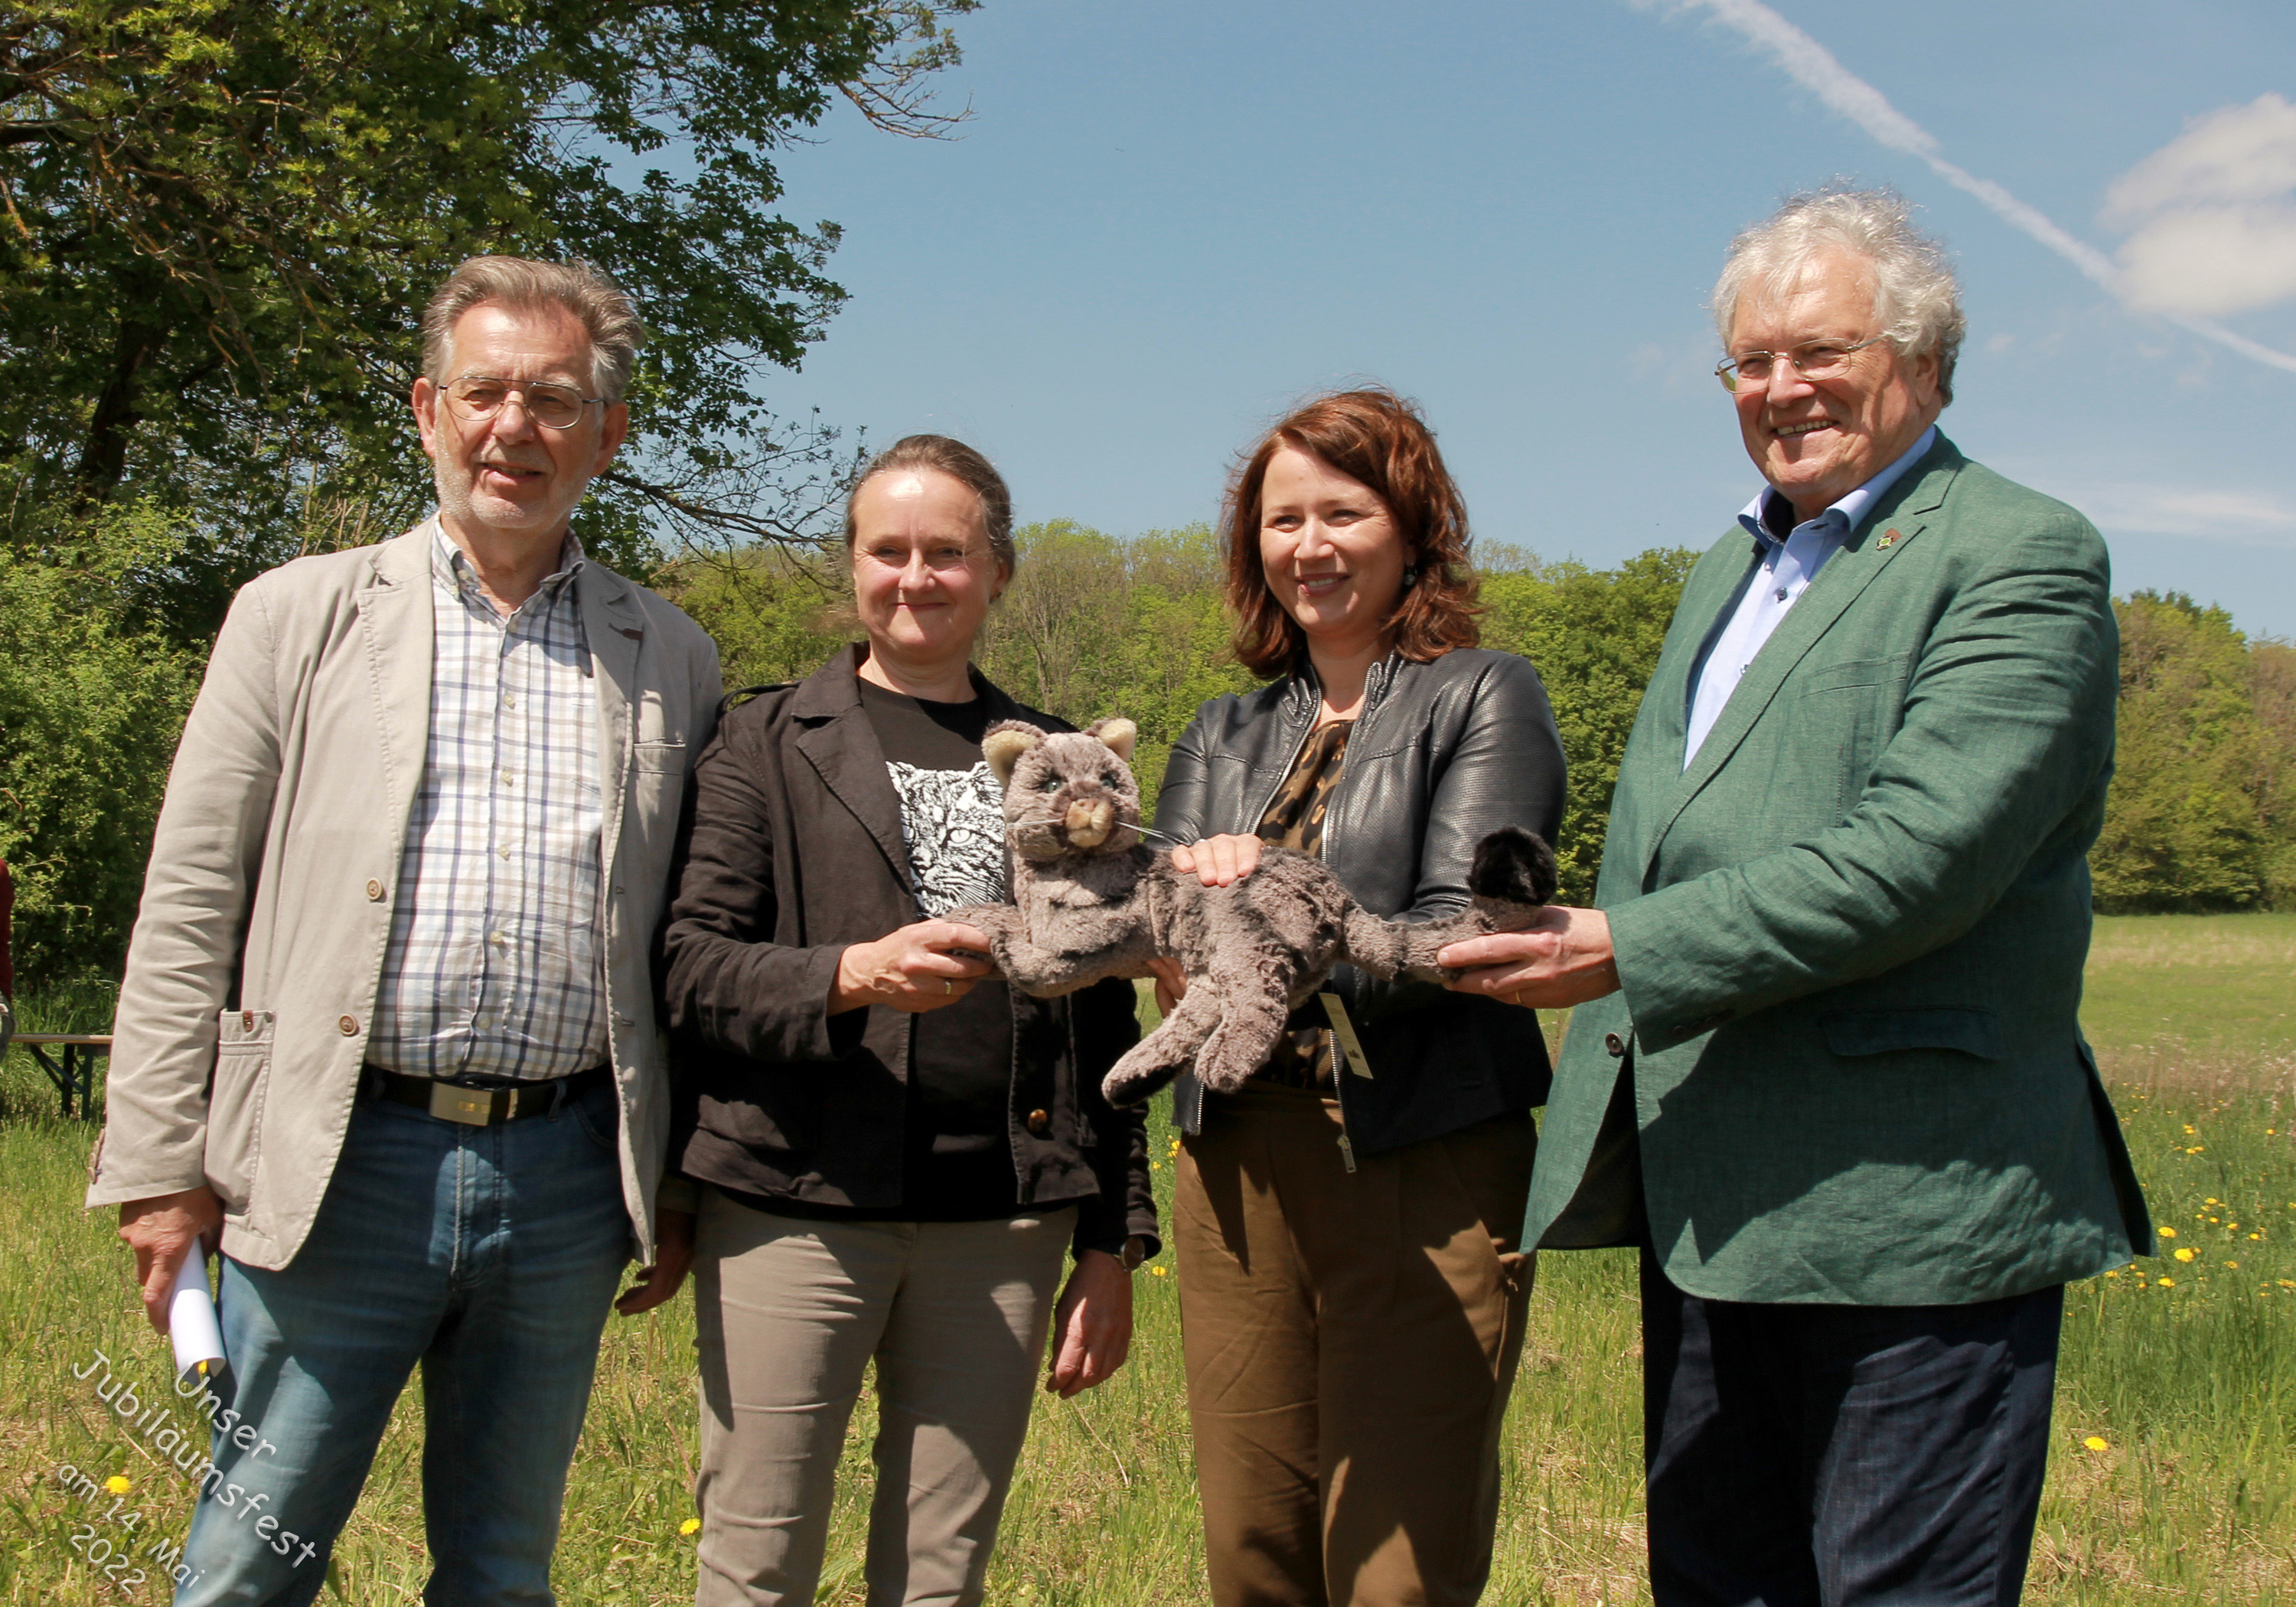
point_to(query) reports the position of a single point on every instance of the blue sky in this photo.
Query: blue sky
(1164, 222)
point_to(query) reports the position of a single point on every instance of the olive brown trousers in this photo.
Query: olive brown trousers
(1350, 1337)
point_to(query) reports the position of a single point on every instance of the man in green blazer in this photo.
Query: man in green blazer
(1825, 1066)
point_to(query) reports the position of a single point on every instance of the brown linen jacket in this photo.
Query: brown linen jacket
(258, 953)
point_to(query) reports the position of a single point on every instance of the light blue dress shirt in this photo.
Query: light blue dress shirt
(1778, 581)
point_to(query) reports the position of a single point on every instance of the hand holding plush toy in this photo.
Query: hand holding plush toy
(1090, 901)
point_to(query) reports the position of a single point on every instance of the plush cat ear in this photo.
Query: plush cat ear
(1120, 735)
(1005, 744)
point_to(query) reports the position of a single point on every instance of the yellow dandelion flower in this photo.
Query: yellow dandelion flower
(2190, 1129)
(117, 1484)
(691, 1526)
(2166, 1232)
(1160, 1272)
(2167, 1283)
(2256, 1235)
(2185, 1255)
(2215, 1221)
(2095, 1442)
(2196, 1149)
(2234, 1265)
(2211, 1200)
(1155, 1166)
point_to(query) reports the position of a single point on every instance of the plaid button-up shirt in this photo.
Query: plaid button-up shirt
(495, 966)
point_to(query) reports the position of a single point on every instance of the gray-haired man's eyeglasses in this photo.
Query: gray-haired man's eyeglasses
(1812, 359)
(552, 406)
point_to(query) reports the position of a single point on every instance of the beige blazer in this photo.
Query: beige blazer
(258, 952)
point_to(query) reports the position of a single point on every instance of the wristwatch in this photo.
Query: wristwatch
(1135, 1252)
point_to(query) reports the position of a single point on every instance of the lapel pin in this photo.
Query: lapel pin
(1888, 540)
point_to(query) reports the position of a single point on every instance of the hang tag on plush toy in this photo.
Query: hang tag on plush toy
(1343, 1033)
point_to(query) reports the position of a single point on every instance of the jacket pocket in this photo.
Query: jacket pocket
(1853, 1032)
(1851, 673)
(235, 1098)
(660, 758)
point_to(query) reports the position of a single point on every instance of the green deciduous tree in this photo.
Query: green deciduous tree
(1594, 635)
(219, 218)
(90, 708)
(2203, 810)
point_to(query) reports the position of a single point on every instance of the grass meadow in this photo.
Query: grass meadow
(2172, 1479)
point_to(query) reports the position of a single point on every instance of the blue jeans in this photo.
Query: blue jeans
(1843, 1456)
(487, 1255)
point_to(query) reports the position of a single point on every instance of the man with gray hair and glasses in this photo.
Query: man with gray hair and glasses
(388, 1029)
(1825, 1068)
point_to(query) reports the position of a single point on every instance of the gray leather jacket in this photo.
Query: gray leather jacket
(1442, 754)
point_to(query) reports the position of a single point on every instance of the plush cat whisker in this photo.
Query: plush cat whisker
(1091, 900)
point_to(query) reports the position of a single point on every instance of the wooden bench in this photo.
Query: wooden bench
(79, 1051)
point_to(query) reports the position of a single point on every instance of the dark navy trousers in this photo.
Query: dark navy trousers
(1843, 1456)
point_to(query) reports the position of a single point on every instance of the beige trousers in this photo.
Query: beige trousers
(1350, 1340)
(790, 1313)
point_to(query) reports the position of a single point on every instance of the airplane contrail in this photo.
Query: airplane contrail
(1817, 70)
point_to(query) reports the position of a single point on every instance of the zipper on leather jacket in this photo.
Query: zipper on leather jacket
(1298, 747)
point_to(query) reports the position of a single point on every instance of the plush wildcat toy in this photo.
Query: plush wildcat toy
(1090, 901)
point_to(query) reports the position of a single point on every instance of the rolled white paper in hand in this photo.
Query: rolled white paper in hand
(191, 1319)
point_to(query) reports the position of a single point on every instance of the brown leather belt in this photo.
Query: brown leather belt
(482, 1107)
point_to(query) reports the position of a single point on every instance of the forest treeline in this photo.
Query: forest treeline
(94, 689)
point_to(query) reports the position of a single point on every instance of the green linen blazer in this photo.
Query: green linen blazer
(1850, 935)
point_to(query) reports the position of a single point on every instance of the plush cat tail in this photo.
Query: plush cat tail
(1513, 867)
(1004, 745)
(1118, 734)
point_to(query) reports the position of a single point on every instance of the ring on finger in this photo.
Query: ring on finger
(948, 986)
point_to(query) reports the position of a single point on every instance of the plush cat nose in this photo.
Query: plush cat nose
(1088, 823)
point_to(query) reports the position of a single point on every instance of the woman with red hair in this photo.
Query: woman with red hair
(1351, 1291)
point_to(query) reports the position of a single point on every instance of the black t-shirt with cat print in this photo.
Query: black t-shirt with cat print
(958, 1164)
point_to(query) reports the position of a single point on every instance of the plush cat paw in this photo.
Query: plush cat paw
(1227, 1061)
(1127, 1084)
(995, 920)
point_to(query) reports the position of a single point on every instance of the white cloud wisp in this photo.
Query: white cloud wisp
(1817, 70)
(2249, 518)
(2212, 214)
